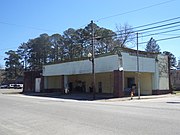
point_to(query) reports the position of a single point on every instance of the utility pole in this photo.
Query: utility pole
(25, 62)
(93, 62)
(138, 79)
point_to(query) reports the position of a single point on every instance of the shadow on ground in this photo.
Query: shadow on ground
(73, 96)
(173, 102)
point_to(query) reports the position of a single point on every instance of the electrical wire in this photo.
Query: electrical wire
(161, 3)
(156, 22)
(29, 27)
(162, 39)
(158, 33)
(160, 29)
(145, 30)
(149, 29)
(159, 26)
(132, 11)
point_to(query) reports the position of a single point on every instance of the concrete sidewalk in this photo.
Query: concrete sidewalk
(136, 98)
(88, 97)
(80, 96)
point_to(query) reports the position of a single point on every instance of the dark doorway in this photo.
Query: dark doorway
(70, 86)
(100, 87)
(83, 86)
(130, 82)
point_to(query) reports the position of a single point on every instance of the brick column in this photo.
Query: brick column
(118, 83)
(62, 84)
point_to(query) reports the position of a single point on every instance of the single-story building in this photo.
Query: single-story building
(114, 74)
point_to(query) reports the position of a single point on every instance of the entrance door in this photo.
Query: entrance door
(70, 86)
(37, 84)
(130, 82)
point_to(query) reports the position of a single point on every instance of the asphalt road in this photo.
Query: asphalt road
(23, 115)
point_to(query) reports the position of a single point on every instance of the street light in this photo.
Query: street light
(91, 58)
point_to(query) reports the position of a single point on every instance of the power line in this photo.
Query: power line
(161, 29)
(170, 34)
(162, 39)
(150, 28)
(159, 26)
(29, 27)
(103, 18)
(154, 26)
(165, 2)
(41, 29)
(158, 33)
(157, 22)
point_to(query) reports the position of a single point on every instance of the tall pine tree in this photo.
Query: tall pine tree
(171, 57)
(152, 46)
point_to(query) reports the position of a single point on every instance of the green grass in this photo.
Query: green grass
(177, 92)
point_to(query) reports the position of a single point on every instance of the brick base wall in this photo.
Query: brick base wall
(159, 92)
(29, 81)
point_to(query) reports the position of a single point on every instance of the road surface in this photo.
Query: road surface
(24, 115)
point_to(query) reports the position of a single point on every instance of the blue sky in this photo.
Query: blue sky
(21, 20)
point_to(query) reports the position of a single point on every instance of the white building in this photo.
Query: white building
(115, 73)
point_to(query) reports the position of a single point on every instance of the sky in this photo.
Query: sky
(21, 20)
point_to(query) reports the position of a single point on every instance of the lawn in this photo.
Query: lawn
(177, 92)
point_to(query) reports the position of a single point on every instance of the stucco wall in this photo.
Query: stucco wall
(130, 63)
(145, 81)
(53, 82)
(102, 64)
(163, 83)
(163, 72)
(107, 82)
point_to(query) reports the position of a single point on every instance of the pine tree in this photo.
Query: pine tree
(171, 57)
(152, 46)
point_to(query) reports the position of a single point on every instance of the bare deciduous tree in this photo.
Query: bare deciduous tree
(125, 35)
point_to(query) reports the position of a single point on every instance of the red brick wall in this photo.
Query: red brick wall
(118, 83)
(29, 80)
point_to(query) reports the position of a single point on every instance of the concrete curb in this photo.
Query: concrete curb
(98, 100)
(135, 98)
